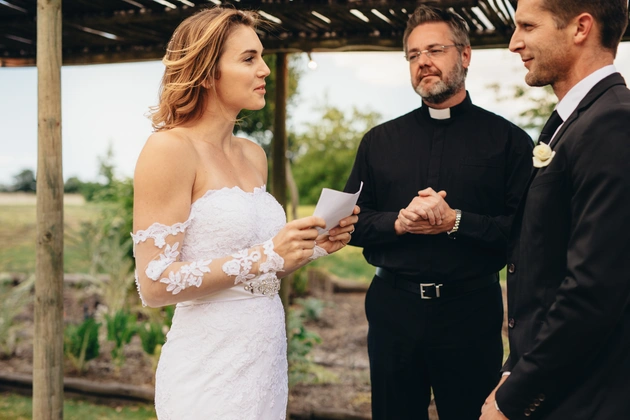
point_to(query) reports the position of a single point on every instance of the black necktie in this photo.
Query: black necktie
(550, 128)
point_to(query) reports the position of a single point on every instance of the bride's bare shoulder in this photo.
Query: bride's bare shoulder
(254, 154)
(167, 156)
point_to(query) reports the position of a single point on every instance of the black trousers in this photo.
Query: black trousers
(452, 346)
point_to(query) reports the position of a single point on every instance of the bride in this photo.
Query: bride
(209, 238)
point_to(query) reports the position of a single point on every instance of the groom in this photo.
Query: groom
(569, 261)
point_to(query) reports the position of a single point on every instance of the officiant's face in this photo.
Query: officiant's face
(242, 72)
(441, 75)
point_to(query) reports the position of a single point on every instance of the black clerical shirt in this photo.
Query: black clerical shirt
(483, 163)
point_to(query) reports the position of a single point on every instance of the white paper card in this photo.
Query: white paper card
(333, 206)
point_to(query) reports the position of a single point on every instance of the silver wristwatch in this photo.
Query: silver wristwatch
(458, 217)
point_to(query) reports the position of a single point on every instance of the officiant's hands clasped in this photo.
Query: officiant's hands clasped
(297, 239)
(427, 214)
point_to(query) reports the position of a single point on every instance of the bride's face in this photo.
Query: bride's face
(241, 84)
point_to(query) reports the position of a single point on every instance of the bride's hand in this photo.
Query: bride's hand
(340, 235)
(296, 240)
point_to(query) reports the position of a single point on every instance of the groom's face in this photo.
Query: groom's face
(544, 48)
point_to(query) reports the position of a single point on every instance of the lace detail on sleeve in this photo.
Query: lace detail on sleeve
(262, 281)
(241, 265)
(187, 276)
(274, 262)
(158, 232)
(157, 267)
(176, 280)
(267, 283)
(318, 252)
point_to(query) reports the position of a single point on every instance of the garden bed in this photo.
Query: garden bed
(336, 387)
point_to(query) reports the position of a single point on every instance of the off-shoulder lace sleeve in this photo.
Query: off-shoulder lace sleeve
(157, 254)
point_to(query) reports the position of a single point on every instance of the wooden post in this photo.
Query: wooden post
(48, 340)
(279, 150)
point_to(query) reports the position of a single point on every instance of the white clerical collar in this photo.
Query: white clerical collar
(440, 114)
(572, 99)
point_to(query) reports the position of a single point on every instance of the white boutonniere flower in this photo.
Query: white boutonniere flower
(542, 155)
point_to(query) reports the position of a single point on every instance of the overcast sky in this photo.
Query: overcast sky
(103, 104)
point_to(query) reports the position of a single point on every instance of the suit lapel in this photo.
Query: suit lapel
(597, 91)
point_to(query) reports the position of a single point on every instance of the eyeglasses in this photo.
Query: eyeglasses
(434, 52)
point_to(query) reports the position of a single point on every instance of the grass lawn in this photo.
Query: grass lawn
(18, 407)
(18, 229)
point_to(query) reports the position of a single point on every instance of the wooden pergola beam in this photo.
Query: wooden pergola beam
(99, 32)
(155, 52)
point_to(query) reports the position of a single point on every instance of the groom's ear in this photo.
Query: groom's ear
(583, 29)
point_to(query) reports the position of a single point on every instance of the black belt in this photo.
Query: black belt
(434, 290)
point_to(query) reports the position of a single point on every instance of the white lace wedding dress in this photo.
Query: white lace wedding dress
(225, 355)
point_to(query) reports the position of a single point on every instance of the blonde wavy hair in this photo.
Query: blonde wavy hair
(191, 61)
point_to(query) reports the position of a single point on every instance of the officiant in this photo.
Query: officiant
(441, 186)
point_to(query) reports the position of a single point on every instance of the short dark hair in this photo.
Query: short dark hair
(611, 16)
(430, 14)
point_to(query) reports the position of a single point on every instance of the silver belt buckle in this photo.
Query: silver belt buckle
(437, 290)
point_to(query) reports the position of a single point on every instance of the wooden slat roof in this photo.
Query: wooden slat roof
(111, 31)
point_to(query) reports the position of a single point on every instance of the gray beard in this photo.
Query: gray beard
(442, 90)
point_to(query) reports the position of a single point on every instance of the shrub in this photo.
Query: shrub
(300, 281)
(152, 337)
(121, 327)
(13, 299)
(312, 308)
(81, 343)
(300, 343)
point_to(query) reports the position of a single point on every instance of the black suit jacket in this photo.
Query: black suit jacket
(569, 272)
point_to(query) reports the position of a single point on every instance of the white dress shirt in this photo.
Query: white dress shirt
(573, 98)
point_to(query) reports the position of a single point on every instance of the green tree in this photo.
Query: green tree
(24, 181)
(324, 154)
(72, 185)
(540, 104)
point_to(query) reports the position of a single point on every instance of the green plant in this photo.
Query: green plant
(13, 299)
(121, 327)
(169, 311)
(152, 337)
(312, 308)
(81, 343)
(119, 268)
(86, 240)
(99, 241)
(299, 285)
(300, 343)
